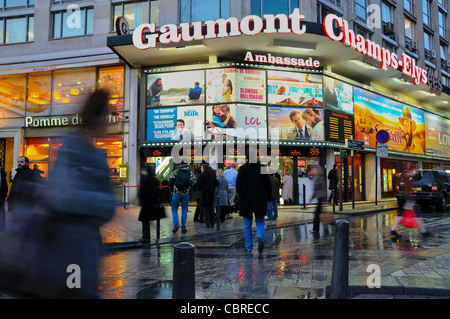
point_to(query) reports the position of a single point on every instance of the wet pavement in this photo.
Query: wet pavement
(294, 264)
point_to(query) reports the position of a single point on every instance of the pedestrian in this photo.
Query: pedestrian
(272, 209)
(254, 190)
(207, 183)
(221, 195)
(82, 195)
(230, 175)
(333, 178)
(181, 182)
(150, 200)
(286, 193)
(198, 215)
(3, 193)
(319, 193)
(24, 192)
(409, 177)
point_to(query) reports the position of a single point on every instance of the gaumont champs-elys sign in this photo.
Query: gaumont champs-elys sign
(336, 28)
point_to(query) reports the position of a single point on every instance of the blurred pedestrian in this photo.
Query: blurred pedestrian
(286, 193)
(230, 175)
(24, 189)
(150, 200)
(221, 195)
(333, 178)
(181, 183)
(207, 183)
(320, 193)
(272, 208)
(254, 190)
(409, 177)
(81, 195)
(3, 193)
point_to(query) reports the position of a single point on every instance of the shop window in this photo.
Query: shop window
(136, 13)
(12, 95)
(111, 79)
(41, 151)
(70, 24)
(16, 30)
(262, 7)
(112, 145)
(39, 93)
(71, 88)
(202, 10)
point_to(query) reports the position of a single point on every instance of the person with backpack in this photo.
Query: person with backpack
(181, 182)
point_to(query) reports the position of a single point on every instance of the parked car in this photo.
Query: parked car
(430, 187)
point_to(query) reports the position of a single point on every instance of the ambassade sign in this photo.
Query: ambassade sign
(336, 28)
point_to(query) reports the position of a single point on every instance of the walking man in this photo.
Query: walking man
(333, 178)
(181, 182)
(254, 191)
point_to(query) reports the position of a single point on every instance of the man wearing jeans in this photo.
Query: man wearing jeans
(181, 182)
(254, 189)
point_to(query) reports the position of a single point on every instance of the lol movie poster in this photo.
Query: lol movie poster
(438, 135)
(405, 124)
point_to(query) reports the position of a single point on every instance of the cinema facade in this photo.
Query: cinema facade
(294, 90)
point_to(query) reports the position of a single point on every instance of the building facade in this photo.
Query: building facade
(337, 69)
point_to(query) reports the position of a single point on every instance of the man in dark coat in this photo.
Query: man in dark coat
(254, 190)
(206, 184)
(24, 190)
(3, 193)
(333, 177)
(149, 196)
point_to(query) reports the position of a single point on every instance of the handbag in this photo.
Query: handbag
(327, 218)
(408, 216)
(159, 212)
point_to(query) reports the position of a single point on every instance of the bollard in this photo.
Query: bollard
(304, 196)
(339, 276)
(183, 286)
(158, 228)
(333, 199)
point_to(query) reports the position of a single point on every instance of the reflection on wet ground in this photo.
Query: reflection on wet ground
(295, 263)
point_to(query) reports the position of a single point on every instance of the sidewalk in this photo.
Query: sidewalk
(124, 230)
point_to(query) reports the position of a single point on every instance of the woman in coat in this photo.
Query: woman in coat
(150, 199)
(206, 184)
(222, 194)
(320, 193)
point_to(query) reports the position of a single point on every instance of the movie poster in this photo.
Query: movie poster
(175, 123)
(337, 95)
(295, 89)
(404, 123)
(437, 135)
(236, 120)
(175, 88)
(296, 123)
(235, 85)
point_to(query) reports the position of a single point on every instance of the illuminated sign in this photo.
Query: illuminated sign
(371, 49)
(279, 60)
(145, 35)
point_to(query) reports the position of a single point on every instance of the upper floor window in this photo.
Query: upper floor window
(262, 7)
(408, 28)
(71, 24)
(386, 12)
(202, 10)
(426, 12)
(324, 10)
(15, 4)
(442, 24)
(408, 5)
(360, 9)
(16, 29)
(136, 13)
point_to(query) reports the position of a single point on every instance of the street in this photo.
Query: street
(294, 264)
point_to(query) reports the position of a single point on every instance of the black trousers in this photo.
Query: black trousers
(146, 229)
(208, 214)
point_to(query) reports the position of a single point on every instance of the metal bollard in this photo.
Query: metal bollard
(304, 196)
(158, 228)
(339, 276)
(183, 286)
(333, 200)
